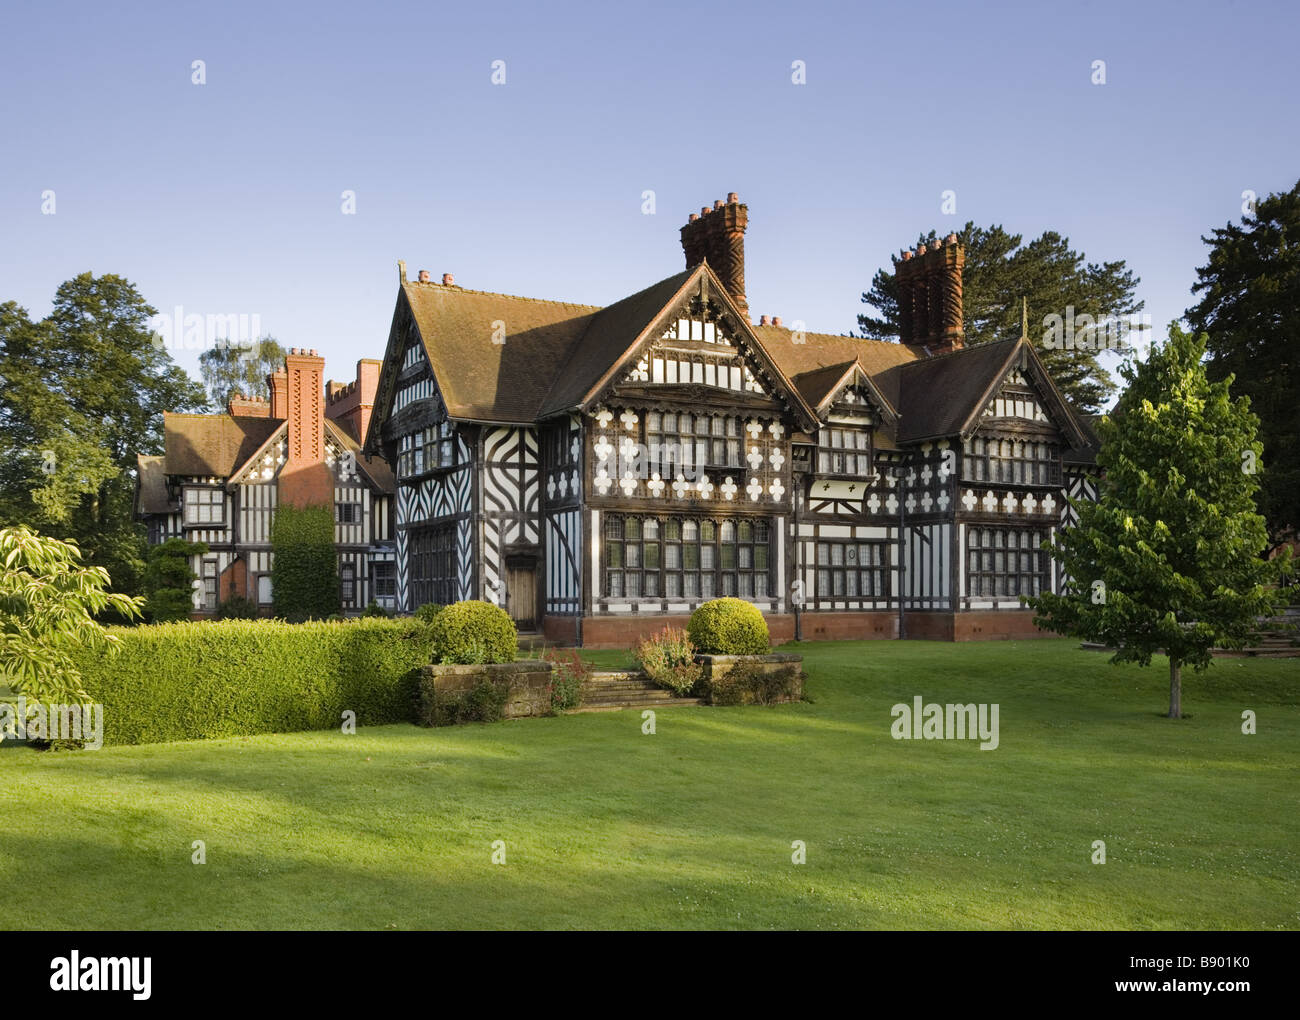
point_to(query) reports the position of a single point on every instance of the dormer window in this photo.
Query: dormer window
(844, 452)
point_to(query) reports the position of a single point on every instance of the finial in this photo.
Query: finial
(1024, 318)
(401, 271)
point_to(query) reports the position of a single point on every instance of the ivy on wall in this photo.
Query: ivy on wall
(304, 571)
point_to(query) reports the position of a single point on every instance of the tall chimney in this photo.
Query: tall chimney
(278, 383)
(718, 235)
(929, 295)
(353, 403)
(305, 480)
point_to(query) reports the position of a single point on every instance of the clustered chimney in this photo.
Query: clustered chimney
(929, 295)
(718, 235)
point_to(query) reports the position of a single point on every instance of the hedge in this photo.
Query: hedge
(190, 681)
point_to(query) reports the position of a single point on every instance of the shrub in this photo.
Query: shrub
(483, 703)
(48, 634)
(305, 570)
(376, 610)
(668, 659)
(169, 580)
(568, 674)
(190, 681)
(747, 683)
(729, 627)
(427, 612)
(237, 608)
(474, 632)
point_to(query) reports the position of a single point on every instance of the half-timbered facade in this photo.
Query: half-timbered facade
(601, 471)
(222, 477)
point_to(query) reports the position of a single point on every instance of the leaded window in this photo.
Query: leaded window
(852, 569)
(1005, 561)
(686, 558)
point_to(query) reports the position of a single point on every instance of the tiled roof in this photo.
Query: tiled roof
(816, 385)
(609, 334)
(219, 445)
(800, 353)
(212, 444)
(556, 354)
(939, 394)
(487, 381)
(151, 495)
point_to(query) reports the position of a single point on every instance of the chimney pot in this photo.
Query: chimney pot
(732, 197)
(424, 276)
(448, 280)
(950, 239)
(762, 320)
(717, 203)
(908, 254)
(776, 320)
(694, 216)
(704, 210)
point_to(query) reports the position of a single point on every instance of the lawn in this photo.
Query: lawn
(692, 827)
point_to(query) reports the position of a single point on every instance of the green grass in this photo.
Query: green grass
(692, 827)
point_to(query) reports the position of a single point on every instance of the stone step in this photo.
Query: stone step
(614, 706)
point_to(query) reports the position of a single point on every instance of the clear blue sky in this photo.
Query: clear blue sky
(225, 197)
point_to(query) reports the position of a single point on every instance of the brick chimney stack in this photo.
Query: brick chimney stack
(718, 235)
(352, 404)
(305, 480)
(279, 386)
(929, 295)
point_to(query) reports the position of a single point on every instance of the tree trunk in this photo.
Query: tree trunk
(1175, 689)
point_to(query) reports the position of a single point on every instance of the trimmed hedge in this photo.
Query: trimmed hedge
(474, 632)
(190, 681)
(729, 627)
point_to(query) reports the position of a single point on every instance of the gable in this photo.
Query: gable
(1017, 398)
(695, 352)
(701, 328)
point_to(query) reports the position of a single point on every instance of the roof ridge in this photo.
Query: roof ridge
(456, 289)
(963, 350)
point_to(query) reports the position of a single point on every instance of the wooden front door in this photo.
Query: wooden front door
(521, 595)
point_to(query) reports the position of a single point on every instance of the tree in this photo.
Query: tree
(48, 604)
(229, 368)
(1000, 275)
(84, 391)
(1168, 557)
(1250, 310)
(169, 580)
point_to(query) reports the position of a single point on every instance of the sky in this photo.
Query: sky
(228, 197)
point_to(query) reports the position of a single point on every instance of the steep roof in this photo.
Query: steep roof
(212, 444)
(151, 485)
(800, 353)
(940, 393)
(494, 381)
(609, 333)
